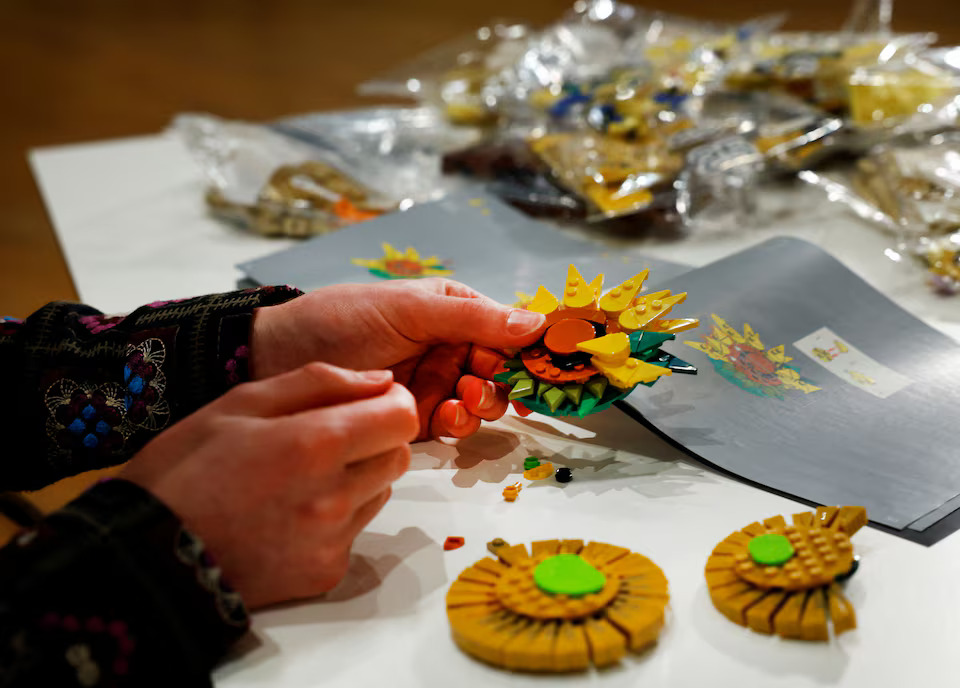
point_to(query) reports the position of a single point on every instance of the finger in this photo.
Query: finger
(428, 317)
(485, 362)
(336, 500)
(435, 380)
(322, 441)
(452, 419)
(315, 384)
(366, 513)
(366, 479)
(482, 398)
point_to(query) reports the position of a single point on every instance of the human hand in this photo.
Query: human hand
(279, 476)
(442, 339)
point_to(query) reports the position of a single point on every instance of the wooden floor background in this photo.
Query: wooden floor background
(79, 70)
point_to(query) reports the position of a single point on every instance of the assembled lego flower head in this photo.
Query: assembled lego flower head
(596, 349)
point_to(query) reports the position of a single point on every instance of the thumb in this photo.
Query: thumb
(479, 320)
(313, 385)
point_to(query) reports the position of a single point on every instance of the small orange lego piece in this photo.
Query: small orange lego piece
(564, 336)
(510, 492)
(348, 212)
(452, 542)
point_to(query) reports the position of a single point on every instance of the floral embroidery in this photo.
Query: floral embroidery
(95, 421)
(86, 420)
(145, 383)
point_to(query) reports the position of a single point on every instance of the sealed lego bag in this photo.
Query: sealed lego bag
(913, 193)
(718, 187)
(818, 67)
(614, 177)
(317, 173)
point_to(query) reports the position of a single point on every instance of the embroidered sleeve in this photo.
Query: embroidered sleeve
(112, 591)
(83, 390)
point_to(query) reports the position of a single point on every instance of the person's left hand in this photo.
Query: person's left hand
(442, 340)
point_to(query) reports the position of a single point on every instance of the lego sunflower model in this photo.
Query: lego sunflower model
(596, 348)
(559, 608)
(783, 579)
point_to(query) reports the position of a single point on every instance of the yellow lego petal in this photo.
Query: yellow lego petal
(597, 285)
(649, 308)
(543, 302)
(412, 254)
(577, 293)
(620, 298)
(673, 326)
(631, 373)
(611, 349)
(390, 253)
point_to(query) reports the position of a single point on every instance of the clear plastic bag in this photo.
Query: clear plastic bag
(316, 173)
(913, 193)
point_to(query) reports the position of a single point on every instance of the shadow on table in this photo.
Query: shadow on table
(601, 451)
(361, 594)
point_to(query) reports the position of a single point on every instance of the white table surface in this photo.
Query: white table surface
(129, 215)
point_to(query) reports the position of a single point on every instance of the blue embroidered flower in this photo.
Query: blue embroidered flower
(87, 420)
(144, 385)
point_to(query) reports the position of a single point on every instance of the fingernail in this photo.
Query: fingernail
(460, 416)
(523, 321)
(375, 376)
(488, 395)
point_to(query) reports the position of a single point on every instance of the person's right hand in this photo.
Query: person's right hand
(279, 476)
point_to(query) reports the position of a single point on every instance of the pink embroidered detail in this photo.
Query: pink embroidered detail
(233, 365)
(100, 323)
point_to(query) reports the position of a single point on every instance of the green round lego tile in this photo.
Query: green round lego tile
(568, 574)
(770, 549)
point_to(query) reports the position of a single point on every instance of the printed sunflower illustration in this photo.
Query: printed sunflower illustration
(597, 348)
(404, 264)
(559, 608)
(785, 579)
(743, 360)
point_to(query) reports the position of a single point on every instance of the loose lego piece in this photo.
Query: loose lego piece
(452, 542)
(784, 579)
(530, 462)
(541, 472)
(499, 611)
(592, 340)
(563, 475)
(510, 492)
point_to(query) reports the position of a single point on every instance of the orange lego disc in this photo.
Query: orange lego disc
(562, 337)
